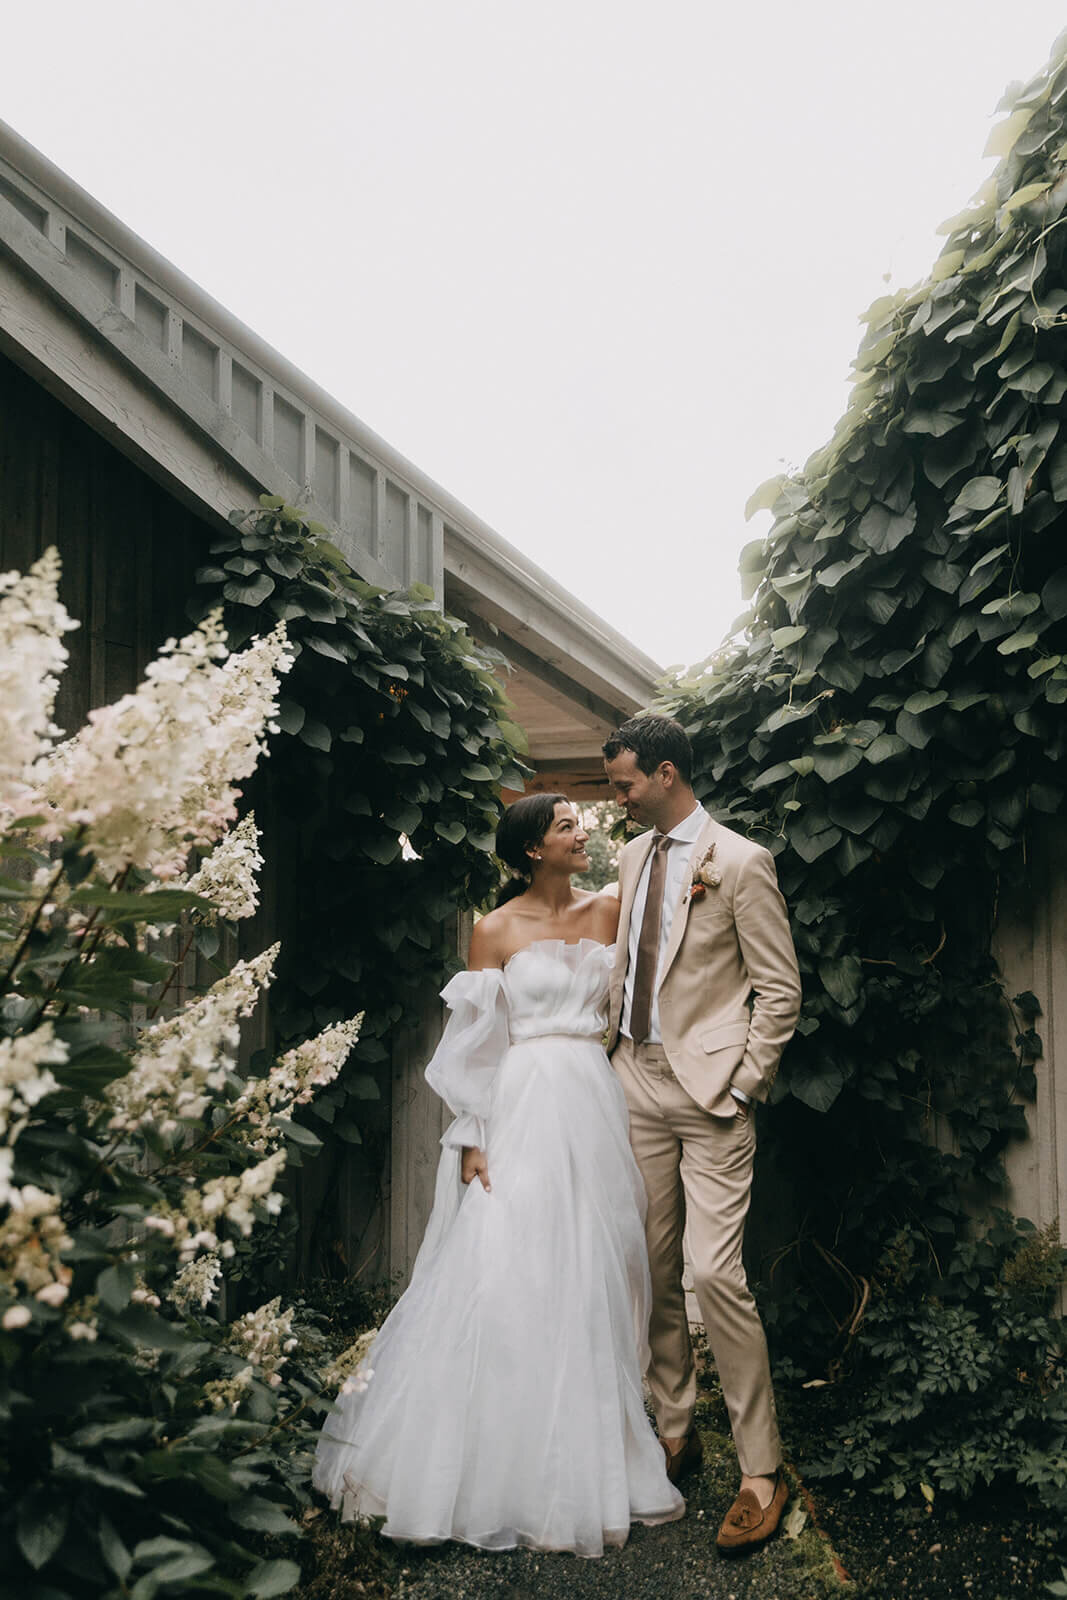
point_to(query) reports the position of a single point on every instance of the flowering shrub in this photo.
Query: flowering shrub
(146, 1446)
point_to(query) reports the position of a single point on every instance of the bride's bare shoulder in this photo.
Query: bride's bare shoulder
(491, 940)
(601, 907)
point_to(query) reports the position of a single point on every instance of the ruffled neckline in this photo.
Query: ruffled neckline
(559, 947)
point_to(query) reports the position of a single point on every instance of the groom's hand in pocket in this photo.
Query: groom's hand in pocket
(474, 1165)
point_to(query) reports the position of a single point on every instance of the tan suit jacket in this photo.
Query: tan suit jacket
(729, 987)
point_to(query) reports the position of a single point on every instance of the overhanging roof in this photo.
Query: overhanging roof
(205, 406)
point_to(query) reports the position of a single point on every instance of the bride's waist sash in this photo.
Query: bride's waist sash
(520, 1035)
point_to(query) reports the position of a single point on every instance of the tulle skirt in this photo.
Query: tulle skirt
(506, 1406)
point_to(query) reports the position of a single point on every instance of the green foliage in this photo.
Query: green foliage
(119, 1476)
(600, 818)
(891, 726)
(962, 1386)
(385, 785)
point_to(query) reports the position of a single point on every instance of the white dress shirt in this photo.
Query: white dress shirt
(679, 856)
(679, 859)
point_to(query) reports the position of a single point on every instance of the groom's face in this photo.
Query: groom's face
(642, 795)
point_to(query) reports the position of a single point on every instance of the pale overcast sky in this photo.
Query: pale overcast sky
(595, 265)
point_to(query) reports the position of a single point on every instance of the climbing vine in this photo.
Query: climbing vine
(890, 724)
(394, 741)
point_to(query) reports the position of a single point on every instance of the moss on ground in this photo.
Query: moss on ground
(343, 1562)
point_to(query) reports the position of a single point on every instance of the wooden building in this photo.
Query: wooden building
(136, 413)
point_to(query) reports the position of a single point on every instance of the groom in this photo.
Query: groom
(704, 998)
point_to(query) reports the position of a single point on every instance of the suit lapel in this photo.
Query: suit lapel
(681, 905)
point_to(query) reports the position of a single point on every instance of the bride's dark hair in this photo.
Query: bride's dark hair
(524, 824)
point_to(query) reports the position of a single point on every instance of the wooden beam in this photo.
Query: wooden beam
(536, 612)
(556, 685)
(581, 781)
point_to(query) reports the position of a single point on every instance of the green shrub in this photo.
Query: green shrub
(958, 1379)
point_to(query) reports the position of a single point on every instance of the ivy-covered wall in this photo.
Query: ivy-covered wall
(379, 803)
(891, 725)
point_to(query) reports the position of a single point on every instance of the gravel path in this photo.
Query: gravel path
(676, 1561)
(988, 1547)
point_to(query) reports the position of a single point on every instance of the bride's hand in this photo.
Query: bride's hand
(474, 1165)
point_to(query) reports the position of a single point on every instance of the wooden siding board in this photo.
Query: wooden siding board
(1031, 949)
(419, 1118)
(1055, 1023)
(128, 548)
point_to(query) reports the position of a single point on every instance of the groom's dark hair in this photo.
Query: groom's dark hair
(653, 739)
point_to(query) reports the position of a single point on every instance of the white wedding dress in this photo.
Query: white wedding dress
(505, 1404)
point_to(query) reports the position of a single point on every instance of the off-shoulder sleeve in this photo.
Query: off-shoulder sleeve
(465, 1062)
(461, 1071)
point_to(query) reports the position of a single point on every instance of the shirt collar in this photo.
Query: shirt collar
(689, 828)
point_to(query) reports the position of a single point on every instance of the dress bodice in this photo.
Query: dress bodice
(548, 987)
(553, 987)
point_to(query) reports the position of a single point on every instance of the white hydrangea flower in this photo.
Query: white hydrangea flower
(257, 1182)
(292, 1081)
(182, 1062)
(196, 1283)
(264, 1338)
(226, 1394)
(232, 1197)
(32, 1239)
(79, 1320)
(227, 877)
(32, 656)
(53, 1294)
(163, 1225)
(349, 1371)
(155, 774)
(25, 1079)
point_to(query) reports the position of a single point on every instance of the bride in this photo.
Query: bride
(501, 1402)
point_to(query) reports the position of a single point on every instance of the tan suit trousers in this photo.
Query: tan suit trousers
(698, 1169)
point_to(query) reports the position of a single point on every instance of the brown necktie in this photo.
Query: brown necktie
(648, 943)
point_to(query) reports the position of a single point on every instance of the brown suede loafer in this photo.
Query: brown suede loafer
(747, 1523)
(686, 1459)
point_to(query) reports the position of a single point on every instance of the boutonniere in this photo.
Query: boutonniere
(706, 874)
